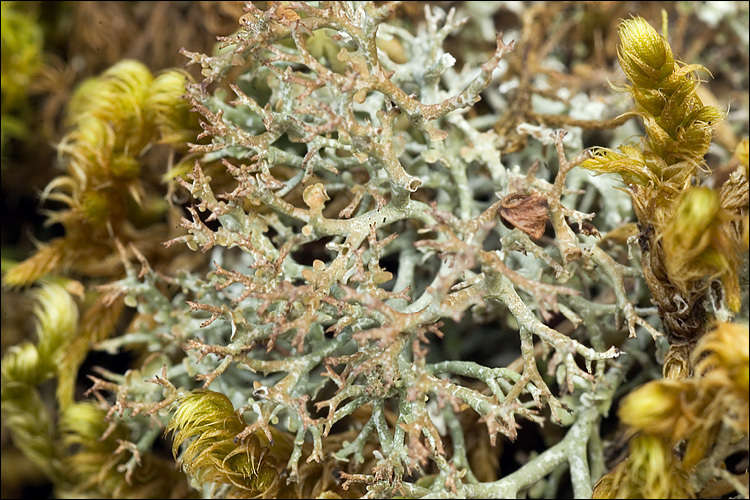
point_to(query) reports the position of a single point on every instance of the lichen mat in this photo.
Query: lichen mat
(377, 250)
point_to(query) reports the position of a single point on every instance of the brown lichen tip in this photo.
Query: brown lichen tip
(315, 196)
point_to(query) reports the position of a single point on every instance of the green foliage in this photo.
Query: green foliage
(113, 119)
(22, 43)
(250, 467)
(26, 366)
(690, 232)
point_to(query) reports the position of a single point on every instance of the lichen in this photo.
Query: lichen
(379, 271)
